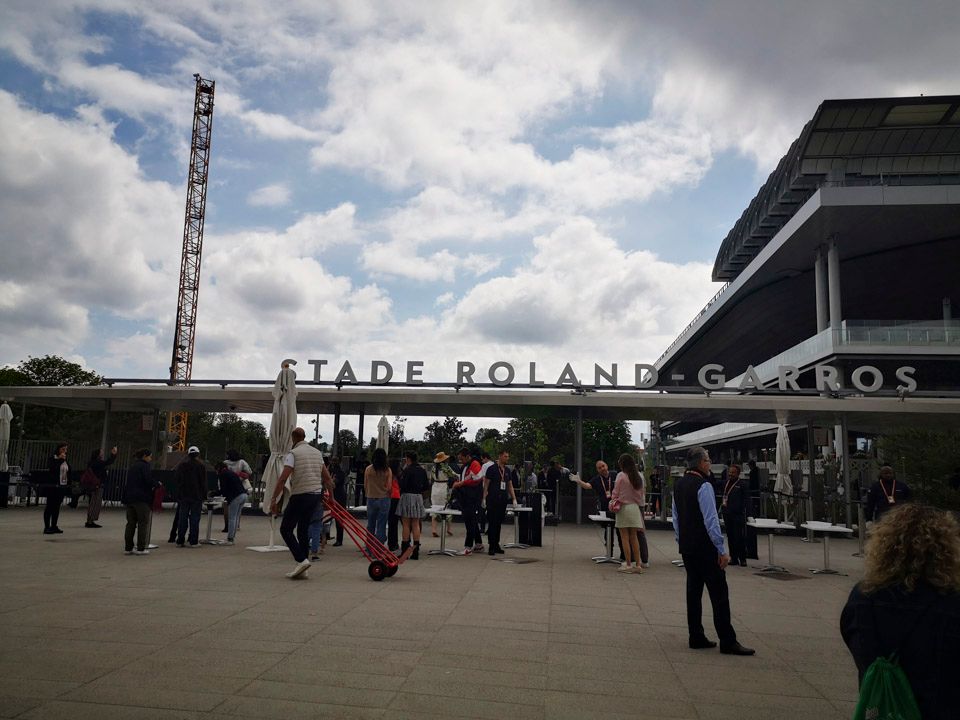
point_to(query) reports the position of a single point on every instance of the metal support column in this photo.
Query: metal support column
(577, 463)
(360, 442)
(845, 446)
(820, 281)
(811, 453)
(833, 281)
(155, 436)
(335, 447)
(106, 428)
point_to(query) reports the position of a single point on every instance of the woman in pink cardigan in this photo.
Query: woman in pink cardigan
(629, 491)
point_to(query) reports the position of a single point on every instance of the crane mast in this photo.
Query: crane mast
(181, 366)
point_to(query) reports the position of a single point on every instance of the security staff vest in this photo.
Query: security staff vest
(307, 476)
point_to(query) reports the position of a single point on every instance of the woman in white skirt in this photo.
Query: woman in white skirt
(628, 493)
(413, 484)
(440, 488)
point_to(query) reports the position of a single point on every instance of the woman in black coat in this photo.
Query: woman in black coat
(909, 602)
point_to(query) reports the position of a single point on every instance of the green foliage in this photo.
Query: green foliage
(347, 444)
(53, 370)
(398, 436)
(447, 436)
(215, 433)
(925, 459)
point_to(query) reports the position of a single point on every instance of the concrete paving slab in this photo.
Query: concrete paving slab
(219, 632)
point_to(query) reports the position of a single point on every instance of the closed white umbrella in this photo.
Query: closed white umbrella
(783, 486)
(282, 423)
(383, 434)
(6, 415)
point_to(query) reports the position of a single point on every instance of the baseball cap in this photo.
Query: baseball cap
(194, 450)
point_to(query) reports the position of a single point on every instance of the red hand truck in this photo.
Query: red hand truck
(383, 563)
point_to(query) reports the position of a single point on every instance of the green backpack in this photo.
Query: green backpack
(885, 693)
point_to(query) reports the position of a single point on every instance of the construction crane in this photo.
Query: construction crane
(181, 366)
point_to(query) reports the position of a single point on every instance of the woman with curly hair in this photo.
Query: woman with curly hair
(909, 600)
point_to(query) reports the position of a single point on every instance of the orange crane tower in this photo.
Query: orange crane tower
(181, 366)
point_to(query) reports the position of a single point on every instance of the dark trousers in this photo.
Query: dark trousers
(51, 512)
(188, 512)
(176, 523)
(138, 518)
(393, 520)
(736, 526)
(342, 499)
(296, 516)
(496, 511)
(702, 569)
(96, 504)
(469, 508)
(359, 497)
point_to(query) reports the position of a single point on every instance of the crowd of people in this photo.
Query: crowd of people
(905, 611)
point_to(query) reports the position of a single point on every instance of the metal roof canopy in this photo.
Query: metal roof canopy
(602, 404)
(866, 221)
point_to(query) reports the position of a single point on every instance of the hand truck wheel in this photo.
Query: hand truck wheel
(392, 570)
(377, 570)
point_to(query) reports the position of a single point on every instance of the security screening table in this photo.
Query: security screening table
(608, 530)
(515, 510)
(211, 504)
(769, 525)
(445, 515)
(826, 528)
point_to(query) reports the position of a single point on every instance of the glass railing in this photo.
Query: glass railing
(886, 334)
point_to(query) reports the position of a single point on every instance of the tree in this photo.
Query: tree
(347, 443)
(924, 459)
(397, 432)
(215, 433)
(447, 436)
(53, 370)
(484, 434)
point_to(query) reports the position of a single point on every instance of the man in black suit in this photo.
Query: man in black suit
(697, 530)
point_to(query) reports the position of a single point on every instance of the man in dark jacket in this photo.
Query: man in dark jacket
(339, 492)
(697, 530)
(734, 508)
(190, 477)
(138, 496)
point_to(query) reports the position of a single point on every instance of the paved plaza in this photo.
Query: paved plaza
(219, 632)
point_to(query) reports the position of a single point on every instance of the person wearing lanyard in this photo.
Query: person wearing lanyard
(497, 485)
(885, 493)
(470, 487)
(602, 486)
(735, 515)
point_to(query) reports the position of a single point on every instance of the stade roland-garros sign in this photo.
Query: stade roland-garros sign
(865, 378)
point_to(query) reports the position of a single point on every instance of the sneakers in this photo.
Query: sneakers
(645, 565)
(180, 545)
(466, 551)
(141, 552)
(226, 542)
(92, 525)
(478, 547)
(314, 556)
(624, 568)
(193, 545)
(56, 531)
(299, 570)
(636, 570)
(128, 552)
(49, 531)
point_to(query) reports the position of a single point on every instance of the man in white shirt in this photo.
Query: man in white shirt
(308, 476)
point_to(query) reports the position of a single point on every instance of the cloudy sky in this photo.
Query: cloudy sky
(515, 181)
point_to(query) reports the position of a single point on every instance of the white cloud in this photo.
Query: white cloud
(276, 195)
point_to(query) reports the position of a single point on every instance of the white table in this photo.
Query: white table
(769, 525)
(826, 528)
(445, 515)
(607, 524)
(516, 510)
(212, 504)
